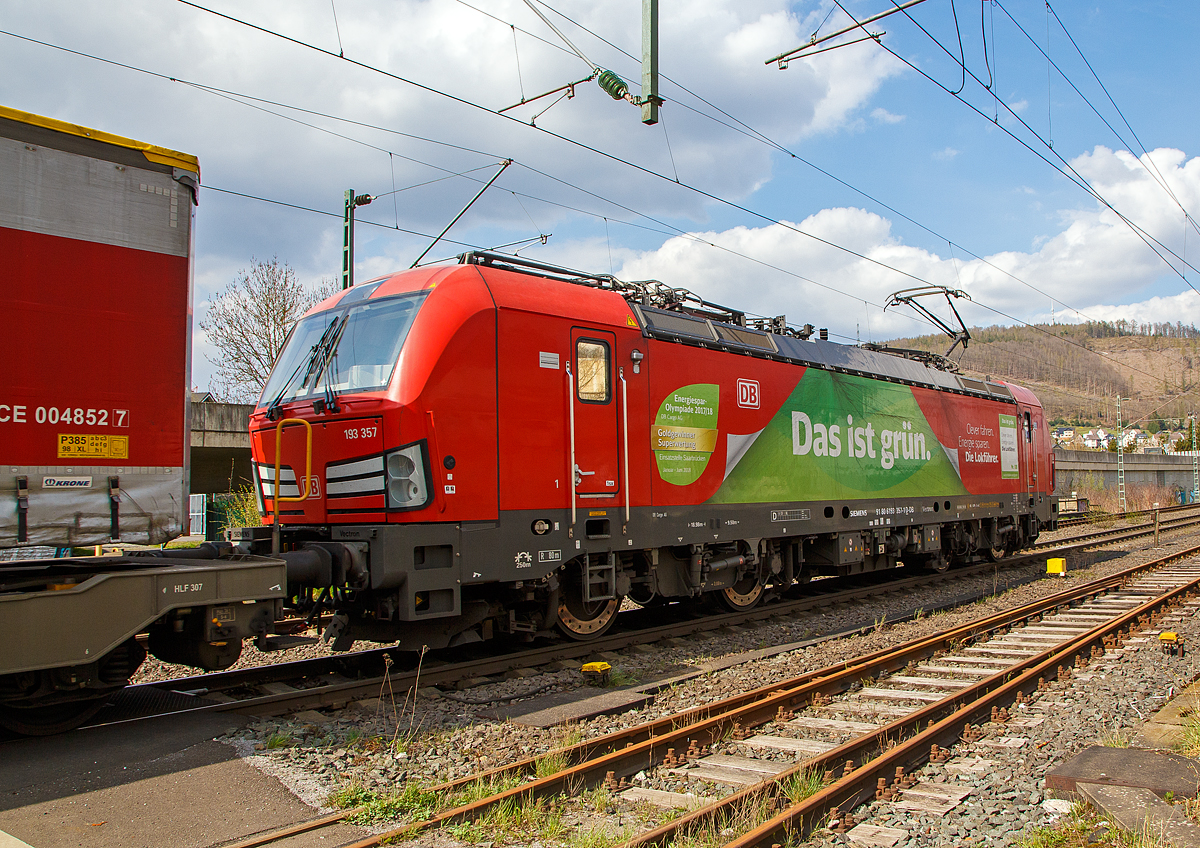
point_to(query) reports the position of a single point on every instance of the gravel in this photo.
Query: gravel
(1102, 706)
(387, 743)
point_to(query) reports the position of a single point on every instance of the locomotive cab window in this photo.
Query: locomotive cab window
(1028, 428)
(593, 371)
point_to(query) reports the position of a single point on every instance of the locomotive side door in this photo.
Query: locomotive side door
(594, 404)
(1028, 453)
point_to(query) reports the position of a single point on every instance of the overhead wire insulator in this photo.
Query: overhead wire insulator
(613, 85)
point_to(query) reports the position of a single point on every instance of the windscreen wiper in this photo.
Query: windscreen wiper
(309, 366)
(329, 403)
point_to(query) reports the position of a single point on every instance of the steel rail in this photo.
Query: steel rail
(1128, 532)
(1094, 517)
(451, 673)
(634, 749)
(341, 693)
(975, 702)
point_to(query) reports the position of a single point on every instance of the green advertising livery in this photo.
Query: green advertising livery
(839, 436)
(685, 432)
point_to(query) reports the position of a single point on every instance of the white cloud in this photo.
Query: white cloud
(1095, 264)
(1183, 308)
(883, 116)
(715, 47)
(946, 155)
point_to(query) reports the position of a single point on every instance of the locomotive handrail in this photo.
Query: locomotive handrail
(279, 459)
(571, 469)
(304, 493)
(625, 440)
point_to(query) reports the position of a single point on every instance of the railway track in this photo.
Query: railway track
(1096, 517)
(849, 726)
(338, 680)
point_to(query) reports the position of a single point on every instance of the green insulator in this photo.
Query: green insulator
(613, 84)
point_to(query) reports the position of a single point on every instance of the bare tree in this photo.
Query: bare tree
(249, 322)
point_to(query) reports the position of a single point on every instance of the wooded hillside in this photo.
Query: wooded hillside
(1077, 370)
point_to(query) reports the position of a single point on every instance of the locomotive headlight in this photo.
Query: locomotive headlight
(406, 479)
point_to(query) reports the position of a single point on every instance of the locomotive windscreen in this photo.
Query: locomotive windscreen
(351, 349)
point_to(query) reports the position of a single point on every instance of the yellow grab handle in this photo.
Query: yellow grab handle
(278, 461)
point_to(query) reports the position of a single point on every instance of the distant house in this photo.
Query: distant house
(1064, 434)
(1096, 439)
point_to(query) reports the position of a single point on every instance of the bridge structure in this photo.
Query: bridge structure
(220, 446)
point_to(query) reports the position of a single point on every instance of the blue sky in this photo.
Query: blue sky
(858, 112)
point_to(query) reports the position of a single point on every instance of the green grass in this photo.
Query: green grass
(278, 740)
(802, 784)
(349, 796)
(512, 818)
(414, 802)
(598, 799)
(1189, 741)
(618, 678)
(551, 763)
(180, 544)
(1115, 738)
(718, 830)
(593, 837)
(1083, 828)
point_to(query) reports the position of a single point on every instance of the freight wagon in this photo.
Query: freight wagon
(96, 248)
(96, 261)
(503, 446)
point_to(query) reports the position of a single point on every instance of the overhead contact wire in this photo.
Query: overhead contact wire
(670, 229)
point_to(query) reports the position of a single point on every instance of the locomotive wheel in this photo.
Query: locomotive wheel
(995, 554)
(743, 595)
(580, 621)
(48, 719)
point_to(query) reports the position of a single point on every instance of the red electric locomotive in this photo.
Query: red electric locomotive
(507, 446)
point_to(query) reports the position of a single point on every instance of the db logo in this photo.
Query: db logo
(748, 394)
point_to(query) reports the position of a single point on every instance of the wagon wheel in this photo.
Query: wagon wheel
(995, 554)
(743, 595)
(48, 719)
(936, 563)
(580, 620)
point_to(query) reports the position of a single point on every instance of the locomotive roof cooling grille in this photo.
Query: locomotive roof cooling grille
(986, 388)
(744, 337)
(676, 324)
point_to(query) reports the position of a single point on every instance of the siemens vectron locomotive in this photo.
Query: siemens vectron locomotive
(502, 446)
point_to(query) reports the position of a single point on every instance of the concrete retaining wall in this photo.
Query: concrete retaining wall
(1076, 469)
